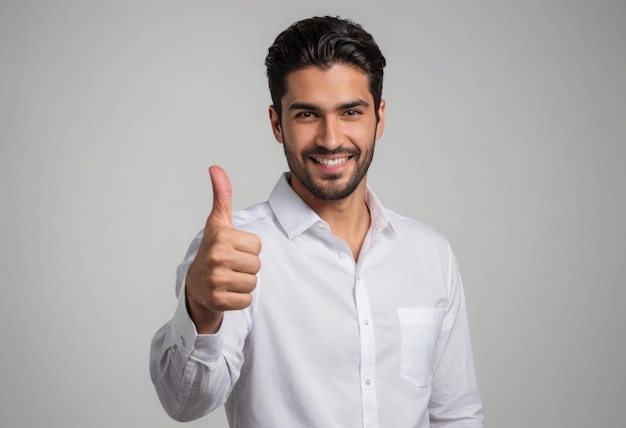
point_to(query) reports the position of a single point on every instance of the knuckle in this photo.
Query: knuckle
(217, 300)
(217, 257)
(217, 279)
(222, 234)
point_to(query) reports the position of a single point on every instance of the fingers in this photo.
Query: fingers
(226, 278)
(225, 281)
(239, 253)
(235, 240)
(229, 301)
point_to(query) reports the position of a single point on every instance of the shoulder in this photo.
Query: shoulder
(428, 245)
(412, 231)
(409, 225)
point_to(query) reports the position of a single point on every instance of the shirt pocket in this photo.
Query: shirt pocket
(419, 332)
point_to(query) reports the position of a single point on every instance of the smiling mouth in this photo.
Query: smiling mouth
(331, 162)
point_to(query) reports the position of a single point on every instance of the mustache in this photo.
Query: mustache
(323, 151)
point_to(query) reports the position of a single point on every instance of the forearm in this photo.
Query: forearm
(187, 387)
(192, 374)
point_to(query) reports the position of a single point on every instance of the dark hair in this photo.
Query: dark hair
(323, 42)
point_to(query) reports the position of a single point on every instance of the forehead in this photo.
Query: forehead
(317, 85)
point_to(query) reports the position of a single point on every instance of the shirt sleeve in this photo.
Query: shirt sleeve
(455, 399)
(193, 374)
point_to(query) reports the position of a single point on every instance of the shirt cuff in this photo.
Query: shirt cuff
(204, 348)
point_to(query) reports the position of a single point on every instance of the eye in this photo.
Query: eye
(305, 115)
(352, 113)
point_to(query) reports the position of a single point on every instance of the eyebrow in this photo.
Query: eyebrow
(313, 107)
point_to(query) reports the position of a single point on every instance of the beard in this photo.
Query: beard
(329, 187)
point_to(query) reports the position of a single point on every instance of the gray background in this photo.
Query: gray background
(505, 131)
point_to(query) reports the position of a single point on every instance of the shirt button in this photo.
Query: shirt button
(368, 381)
(367, 322)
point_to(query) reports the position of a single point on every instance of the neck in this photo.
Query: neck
(348, 218)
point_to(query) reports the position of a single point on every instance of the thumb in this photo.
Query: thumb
(222, 211)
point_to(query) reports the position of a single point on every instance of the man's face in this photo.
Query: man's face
(328, 130)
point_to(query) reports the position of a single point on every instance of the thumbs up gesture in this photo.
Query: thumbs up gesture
(223, 274)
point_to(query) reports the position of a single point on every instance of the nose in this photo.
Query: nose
(329, 135)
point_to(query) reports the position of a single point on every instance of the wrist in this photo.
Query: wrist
(206, 320)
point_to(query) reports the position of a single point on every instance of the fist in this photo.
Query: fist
(223, 274)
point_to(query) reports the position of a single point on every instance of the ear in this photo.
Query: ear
(275, 122)
(381, 119)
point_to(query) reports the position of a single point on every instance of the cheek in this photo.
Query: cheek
(300, 136)
(359, 133)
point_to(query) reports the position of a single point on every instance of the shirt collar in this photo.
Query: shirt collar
(295, 216)
(380, 220)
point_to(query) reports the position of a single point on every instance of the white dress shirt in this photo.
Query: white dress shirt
(329, 341)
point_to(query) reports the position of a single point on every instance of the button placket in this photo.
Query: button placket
(368, 350)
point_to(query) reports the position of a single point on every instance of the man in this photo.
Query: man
(351, 315)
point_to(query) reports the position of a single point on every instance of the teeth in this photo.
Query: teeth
(331, 162)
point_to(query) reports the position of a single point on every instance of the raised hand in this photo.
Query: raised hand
(223, 274)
